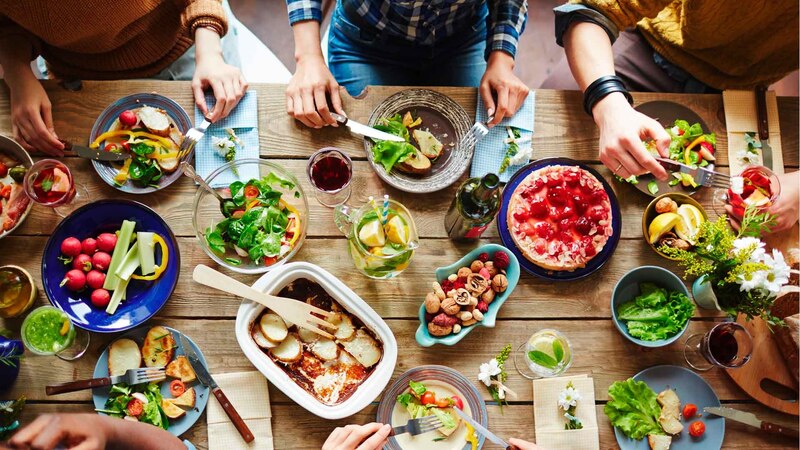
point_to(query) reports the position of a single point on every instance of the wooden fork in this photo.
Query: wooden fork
(291, 310)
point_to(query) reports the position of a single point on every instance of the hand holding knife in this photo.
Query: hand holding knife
(482, 430)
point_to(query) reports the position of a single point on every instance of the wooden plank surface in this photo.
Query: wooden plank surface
(579, 309)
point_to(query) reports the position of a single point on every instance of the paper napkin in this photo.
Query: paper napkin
(490, 151)
(741, 117)
(244, 122)
(549, 418)
(248, 392)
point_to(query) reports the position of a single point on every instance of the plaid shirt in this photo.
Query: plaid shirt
(422, 21)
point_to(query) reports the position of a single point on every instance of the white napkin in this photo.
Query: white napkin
(549, 419)
(741, 117)
(248, 392)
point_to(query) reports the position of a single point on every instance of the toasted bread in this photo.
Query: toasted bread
(659, 441)
(449, 431)
(123, 354)
(345, 328)
(260, 340)
(159, 347)
(428, 144)
(171, 410)
(325, 349)
(363, 348)
(670, 411)
(187, 399)
(416, 163)
(181, 368)
(155, 120)
(289, 350)
(168, 165)
(273, 327)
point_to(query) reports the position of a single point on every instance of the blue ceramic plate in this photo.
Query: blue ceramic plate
(143, 298)
(691, 388)
(176, 426)
(595, 263)
(108, 170)
(425, 339)
(436, 376)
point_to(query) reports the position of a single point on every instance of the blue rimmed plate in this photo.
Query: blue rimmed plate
(691, 388)
(108, 170)
(595, 263)
(143, 298)
(442, 380)
(176, 426)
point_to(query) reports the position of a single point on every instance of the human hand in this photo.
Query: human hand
(32, 118)
(499, 79)
(372, 436)
(523, 445)
(785, 210)
(211, 71)
(306, 95)
(74, 431)
(622, 130)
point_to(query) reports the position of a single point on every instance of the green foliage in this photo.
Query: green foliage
(632, 407)
(501, 363)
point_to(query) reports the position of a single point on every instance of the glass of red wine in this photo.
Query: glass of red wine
(330, 172)
(49, 182)
(759, 188)
(728, 345)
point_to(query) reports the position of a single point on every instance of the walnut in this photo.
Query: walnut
(488, 296)
(666, 204)
(462, 297)
(449, 306)
(464, 272)
(432, 303)
(476, 284)
(437, 289)
(443, 320)
(671, 240)
(476, 266)
(499, 283)
(488, 265)
(436, 330)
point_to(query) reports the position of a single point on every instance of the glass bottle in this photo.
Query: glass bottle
(475, 205)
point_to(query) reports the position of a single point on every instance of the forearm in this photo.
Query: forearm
(588, 51)
(208, 44)
(306, 40)
(129, 435)
(15, 60)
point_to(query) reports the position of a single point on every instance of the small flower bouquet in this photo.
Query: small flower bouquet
(568, 401)
(493, 375)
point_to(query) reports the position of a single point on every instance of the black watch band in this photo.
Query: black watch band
(600, 88)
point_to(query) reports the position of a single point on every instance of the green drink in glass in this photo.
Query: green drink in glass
(48, 331)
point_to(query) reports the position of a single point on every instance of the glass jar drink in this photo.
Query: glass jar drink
(380, 240)
(49, 183)
(547, 353)
(727, 345)
(759, 188)
(48, 331)
(330, 172)
(17, 291)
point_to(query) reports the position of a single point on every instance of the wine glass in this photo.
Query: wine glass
(547, 353)
(727, 345)
(49, 182)
(760, 189)
(330, 172)
(49, 331)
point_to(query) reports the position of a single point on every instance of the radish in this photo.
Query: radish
(106, 242)
(89, 246)
(95, 279)
(706, 151)
(128, 118)
(101, 260)
(74, 280)
(71, 247)
(82, 262)
(100, 298)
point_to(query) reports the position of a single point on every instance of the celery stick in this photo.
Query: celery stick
(116, 297)
(147, 253)
(123, 242)
(129, 264)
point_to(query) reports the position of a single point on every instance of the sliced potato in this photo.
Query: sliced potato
(155, 120)
(273, 327)
(172, 411)
(187, 399)
(307, 335)
(289, 350)
(159, 347)
(261, 340)
(345, 328)
(326, 349)
(123, 354)
(181, 368)
(363, 348)
(428, 144)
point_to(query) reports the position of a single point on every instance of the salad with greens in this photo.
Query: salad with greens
(419, 401)
(656, 313)
(633, 408)
(259, 224)
(142, 401)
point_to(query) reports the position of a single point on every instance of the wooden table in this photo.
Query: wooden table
(580, 309)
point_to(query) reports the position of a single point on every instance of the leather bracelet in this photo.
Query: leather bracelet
(600, 88)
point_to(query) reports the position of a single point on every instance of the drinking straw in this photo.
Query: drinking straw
(385, 209)
(374, 207)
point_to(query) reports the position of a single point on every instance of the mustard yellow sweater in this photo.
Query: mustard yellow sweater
(108, 39)
(726, 44)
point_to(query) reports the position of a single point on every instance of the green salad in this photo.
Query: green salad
(142, 401)
(632, 407)
(389, 153)
(421, 402)
(656, 313)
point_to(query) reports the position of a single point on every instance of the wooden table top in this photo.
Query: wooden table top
(579, 309)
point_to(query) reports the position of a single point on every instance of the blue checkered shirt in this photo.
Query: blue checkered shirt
(425, 21)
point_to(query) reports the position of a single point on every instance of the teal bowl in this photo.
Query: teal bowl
(627, 288)
(425, 339)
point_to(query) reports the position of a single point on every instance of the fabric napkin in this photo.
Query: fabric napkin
(244, 122)
(549, 418)
(741, 117)
(248, 392)
(490, 151)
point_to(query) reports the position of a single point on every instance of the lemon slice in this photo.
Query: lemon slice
(371, 234)
(662, 224)
(396, 231)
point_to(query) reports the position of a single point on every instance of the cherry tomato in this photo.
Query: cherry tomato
(3, 170)
(689, 411)
(177, 388)
(250, 191)
(270, 260)
(111, 148)
(6, 191)
(697, 428)
(126, 146)
(457, 402)
(428, 398)
(444, 402)
(135, 407)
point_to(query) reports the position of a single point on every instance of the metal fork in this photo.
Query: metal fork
(475, 134)
(701, 175)
(131, 377)
(418, 426)
(191, 138)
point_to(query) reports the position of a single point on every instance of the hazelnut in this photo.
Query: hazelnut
(488, 296)
(476, 266)
(452, 277)
(464, 272)
(449, 306)
(666, 204)
(456, 328)
(462, 297)
(477, 315)
(499, 283)
(437, 289)
(432, 303)
(465, 315)
(476, 284)
(437, 330)
(488, 265)
(468, 322)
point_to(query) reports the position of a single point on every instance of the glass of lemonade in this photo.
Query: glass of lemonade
(380, 244)
(17, 291)
(547, 353)
(48, 331)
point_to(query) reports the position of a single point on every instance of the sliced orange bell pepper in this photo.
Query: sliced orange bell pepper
(131, 135)
(159, 268)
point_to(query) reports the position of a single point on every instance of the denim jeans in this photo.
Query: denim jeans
(358, 57)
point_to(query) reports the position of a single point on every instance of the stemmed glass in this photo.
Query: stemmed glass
(330, 172)
(49, 182)
(760, 189)
(727, 345)
(48, 331)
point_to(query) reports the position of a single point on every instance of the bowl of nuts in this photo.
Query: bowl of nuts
(466, 294)
(672, 220)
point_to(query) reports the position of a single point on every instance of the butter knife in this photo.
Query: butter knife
(95, 154)
(752, 420)
(482, 430)
(763, 126)
(364, 130)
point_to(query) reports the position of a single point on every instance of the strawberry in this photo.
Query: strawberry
(572, 178)
(583, 225)
(538, 208)
(558, 196)
(553, 182)
(544, 230)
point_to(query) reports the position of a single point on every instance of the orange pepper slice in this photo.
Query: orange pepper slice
(159, 268)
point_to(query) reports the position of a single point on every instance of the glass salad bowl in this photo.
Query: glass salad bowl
(260, 223)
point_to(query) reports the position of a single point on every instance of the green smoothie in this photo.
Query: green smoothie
(47, 331)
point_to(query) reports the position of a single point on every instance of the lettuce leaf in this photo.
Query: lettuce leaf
(656, 313)
(632, 407)
(448, 422)
(389, 153)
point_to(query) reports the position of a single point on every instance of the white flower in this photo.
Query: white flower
(222, 145)
(568, 398)
(747, 158)
(750, 281)
(743, 244)
(522, 156)
(488, 370)
(778, 273)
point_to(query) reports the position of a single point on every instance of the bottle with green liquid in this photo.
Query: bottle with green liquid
(475, 205)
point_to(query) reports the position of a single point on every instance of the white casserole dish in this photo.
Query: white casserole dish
(272, 282)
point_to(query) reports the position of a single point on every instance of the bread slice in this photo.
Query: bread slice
(448, 431)
(159, 347)
(260, 340)
(363, 348)
(155, 120)
(325, 349)
(345, 329)
(273, 327)
(168, 165)
(416, 164)
(289, 350)
(181, 368)
(659, 441)
(187, 399)
(670, 411)
(123, 354)
(170, 409)
(428, 144)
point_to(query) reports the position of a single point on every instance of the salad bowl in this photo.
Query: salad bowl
(12, 151)
(650, 213)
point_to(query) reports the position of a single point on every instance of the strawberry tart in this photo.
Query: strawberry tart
(560, 217)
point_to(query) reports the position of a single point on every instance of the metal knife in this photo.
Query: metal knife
(482, 430)
(752, 420)
(763, 126)
(95, 153)
(205, 379)
(364, 130)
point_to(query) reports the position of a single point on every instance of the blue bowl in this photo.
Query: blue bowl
(627, 288)
(425, 339)
(143, 298)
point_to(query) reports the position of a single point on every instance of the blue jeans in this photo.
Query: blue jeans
(358, 58)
